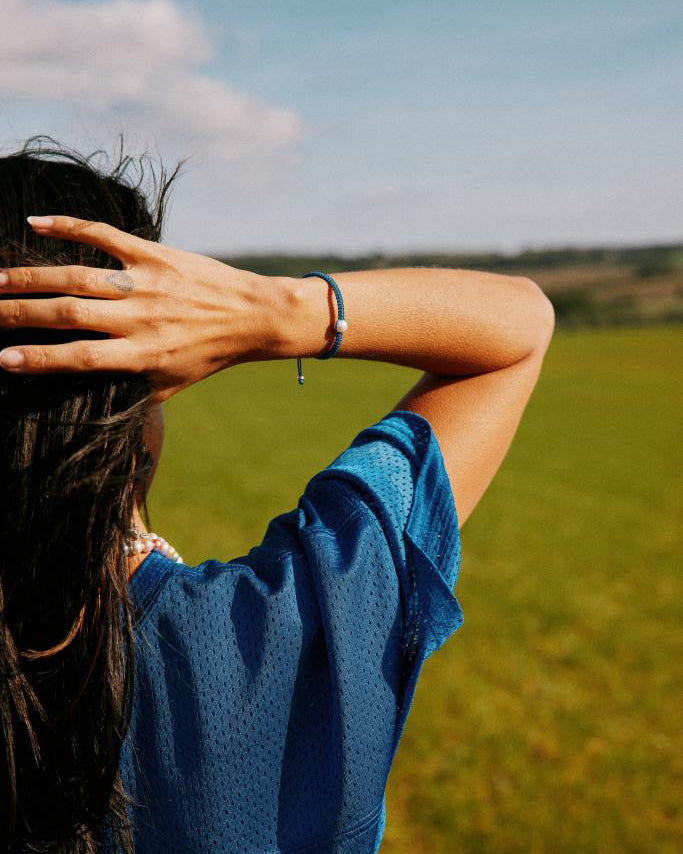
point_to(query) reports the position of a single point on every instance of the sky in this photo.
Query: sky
(369, 125)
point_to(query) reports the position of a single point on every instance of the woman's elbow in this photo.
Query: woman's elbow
(541, 316)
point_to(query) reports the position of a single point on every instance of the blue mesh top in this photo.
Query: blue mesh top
(272, 690)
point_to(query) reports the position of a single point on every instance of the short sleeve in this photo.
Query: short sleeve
(393, 473)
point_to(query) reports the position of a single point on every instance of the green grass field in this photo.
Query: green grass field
(551, 721)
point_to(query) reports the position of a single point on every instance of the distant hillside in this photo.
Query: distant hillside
(588, 287)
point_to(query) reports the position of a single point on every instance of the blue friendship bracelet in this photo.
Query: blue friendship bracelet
(340, 326)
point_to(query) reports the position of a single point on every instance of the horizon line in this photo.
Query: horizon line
(510, 253)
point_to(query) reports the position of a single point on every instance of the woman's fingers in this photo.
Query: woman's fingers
(82, 281)
(62, 313)
(120, 244)
(115, 354)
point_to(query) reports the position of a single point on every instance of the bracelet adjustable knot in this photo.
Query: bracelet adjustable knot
(340, 326)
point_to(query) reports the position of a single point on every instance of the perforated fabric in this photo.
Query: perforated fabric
(272, 690)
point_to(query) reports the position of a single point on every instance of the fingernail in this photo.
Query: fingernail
(40, 221)
(11, 358)
(4, 279)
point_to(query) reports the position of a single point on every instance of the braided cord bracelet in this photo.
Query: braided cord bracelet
(340, 326)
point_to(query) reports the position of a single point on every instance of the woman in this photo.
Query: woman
(252, 705)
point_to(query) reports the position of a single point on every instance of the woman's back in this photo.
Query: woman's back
(272, 690)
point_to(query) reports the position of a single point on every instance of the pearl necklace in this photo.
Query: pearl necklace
(140, 543)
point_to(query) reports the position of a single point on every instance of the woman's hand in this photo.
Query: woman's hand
(174, 315)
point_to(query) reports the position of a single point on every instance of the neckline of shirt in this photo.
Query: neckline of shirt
(146, 582)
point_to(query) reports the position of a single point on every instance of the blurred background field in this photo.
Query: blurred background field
(550, 722)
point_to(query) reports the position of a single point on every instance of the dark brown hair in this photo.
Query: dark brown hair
(71, 454)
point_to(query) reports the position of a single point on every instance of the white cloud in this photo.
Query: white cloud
(137, 65)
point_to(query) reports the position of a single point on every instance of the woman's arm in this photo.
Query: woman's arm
(442, 321)
(479, 337)
(179, 317)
